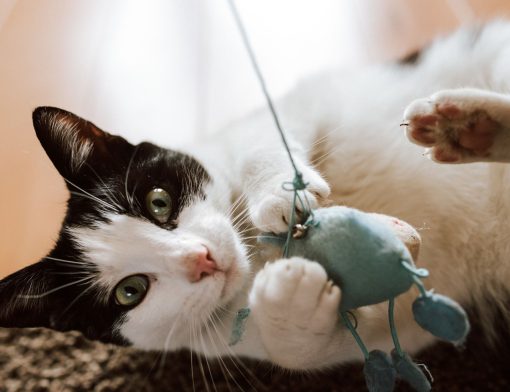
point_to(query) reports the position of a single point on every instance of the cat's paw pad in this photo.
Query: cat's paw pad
(271, 209)
(452, 126)
(295, 293)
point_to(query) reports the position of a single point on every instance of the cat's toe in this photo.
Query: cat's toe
(309, 289)
(421, 121)
(291, 286)
(325, 317)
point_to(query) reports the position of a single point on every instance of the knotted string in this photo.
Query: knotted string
(297, 183)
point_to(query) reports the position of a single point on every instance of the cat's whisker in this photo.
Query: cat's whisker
(42, 295)
(241, 222)
(199, 357)
(239, 209)
(249, 229)
(128, 199)
(325, 137)
(81, 264)
(111, 196)
(223, 365)
(225, 310)
(161, 358)
(223, 342)
(85, 273)
(240, 214)
(241, 219)
(191, 342)
(77, 298)
(240, 199)
(252, 237)
(239, 365)
(167, 343)
(134, 201)
(90, 195)
(202, 343)
(318, 144)
(248, 233)
(317, 161)
(93, 198)
(243, 225)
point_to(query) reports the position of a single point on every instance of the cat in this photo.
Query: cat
(157, 246)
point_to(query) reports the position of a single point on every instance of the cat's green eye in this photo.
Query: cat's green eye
(159, 204)
(131, 291)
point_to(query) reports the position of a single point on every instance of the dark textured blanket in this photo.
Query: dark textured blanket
(42, 360)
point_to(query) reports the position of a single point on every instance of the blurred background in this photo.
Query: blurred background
(171, 71)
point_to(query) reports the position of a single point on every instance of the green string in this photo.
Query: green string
(298, 179)
(297, 183)
(352, 329)
(393, 329)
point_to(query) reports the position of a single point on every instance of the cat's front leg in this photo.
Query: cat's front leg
(462, 125)
(295, 309)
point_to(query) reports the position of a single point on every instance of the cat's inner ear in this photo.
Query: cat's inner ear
(71, 142)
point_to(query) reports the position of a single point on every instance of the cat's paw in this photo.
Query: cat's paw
(460, 126)
(270, 206)
(295, 308)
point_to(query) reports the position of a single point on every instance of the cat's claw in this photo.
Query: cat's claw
(460, 126)
(295, 308)
(271, 208)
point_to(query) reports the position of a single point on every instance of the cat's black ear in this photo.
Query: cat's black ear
(72, 142)
(21, 303)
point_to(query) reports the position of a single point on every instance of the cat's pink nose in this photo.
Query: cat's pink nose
(203, 265)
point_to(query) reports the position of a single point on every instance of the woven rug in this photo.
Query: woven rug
(43, 360)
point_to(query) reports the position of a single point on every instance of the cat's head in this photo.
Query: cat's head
(146, 246)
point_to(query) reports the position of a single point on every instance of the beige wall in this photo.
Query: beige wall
(32, 196)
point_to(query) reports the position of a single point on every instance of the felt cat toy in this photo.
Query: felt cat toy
(368, 261)
(371, 264)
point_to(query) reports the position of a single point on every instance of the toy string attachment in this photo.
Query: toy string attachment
(254, 63)
(297, 183)
(352, 328)
(393, 329)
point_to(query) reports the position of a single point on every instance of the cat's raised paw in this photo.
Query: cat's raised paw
(295, 293)
(295, 309)
(457, 126)
(271, 204)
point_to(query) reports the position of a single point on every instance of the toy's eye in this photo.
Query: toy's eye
(131, 291)
(159, 204)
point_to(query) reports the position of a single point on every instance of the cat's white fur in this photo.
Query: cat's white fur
(348, 122)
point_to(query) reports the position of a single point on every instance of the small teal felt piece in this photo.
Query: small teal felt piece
(379, 372)
(410, 372)
(360, 253)
(238, 326)
(442, 317)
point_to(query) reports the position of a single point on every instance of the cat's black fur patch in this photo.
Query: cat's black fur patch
(113, 177)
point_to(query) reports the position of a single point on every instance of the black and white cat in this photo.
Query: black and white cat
(155, 248)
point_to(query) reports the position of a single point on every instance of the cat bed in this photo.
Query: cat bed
(43, 360)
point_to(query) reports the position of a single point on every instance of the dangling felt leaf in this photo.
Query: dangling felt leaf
(238, 326)
(410, 372)
(379, 372)
(442, 317)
